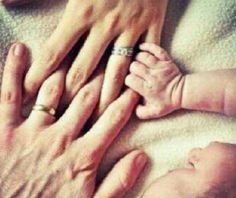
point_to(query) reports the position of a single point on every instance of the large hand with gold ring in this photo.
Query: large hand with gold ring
(41, 156)
(107, 21)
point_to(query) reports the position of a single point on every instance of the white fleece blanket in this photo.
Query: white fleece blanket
(199, 34)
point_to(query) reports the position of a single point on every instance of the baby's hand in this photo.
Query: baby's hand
(154, 76)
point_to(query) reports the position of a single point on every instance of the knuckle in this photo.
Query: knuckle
(112, 22)
(9, 97)
(86, 94)
(120, 114)
(87, 11)
(76, 77)
(90, 158)
(52, 90)
(50, 58)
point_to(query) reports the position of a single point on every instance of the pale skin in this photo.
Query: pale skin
(165, 88)
(107, 21)
(213, 167)
(41, 156)
(202, 174)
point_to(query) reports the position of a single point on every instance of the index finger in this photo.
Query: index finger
(107, 128)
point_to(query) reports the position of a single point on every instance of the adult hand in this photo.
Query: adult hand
(43, 157)
(123, 22)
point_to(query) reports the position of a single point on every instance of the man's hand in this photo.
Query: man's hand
(44, 157)
(105, 21)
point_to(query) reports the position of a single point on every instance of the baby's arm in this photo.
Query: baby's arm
(165, 89)
(211, 91)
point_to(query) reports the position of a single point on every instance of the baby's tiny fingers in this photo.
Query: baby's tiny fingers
(147, 59)
(136, 83)
(156, 50)
(140, 70)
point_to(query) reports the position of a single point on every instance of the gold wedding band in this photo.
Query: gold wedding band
(123, 51)
(49, 110)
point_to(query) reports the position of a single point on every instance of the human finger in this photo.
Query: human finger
(154, 31)
(147, 59)
(156, 50)
(86, 61)
(109, 125)
(53, 52)
(145, 112)
(123, 175)
(81, 107)
(116, 70)
(11, 89)
(136, 83)
(139, 70)
(48, 99)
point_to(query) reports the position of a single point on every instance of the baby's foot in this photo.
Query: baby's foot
(155, 77)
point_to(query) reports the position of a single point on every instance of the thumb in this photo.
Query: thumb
(123, 176)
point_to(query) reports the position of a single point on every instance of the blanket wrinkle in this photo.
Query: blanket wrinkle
(199, 34)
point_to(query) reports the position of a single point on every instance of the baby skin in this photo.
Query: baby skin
(165, 88)
(209, 173)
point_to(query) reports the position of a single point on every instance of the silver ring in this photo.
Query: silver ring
(49, 110)
(123, 51)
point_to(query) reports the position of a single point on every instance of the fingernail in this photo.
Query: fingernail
(141, 160)
(19, 50)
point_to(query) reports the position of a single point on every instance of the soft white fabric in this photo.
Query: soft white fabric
(199, 34)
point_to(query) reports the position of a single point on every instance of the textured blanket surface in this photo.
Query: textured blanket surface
(199, 34)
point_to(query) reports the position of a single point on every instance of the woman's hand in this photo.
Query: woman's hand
(107, 21)
(43, 157)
